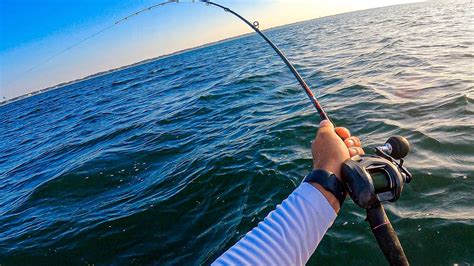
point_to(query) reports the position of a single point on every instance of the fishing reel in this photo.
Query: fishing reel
(374, 179)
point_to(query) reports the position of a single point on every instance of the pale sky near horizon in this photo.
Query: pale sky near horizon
(31, 31)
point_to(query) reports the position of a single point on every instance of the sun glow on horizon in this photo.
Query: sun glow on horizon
(159, 32)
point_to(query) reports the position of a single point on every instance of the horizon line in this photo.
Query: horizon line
(175, 53)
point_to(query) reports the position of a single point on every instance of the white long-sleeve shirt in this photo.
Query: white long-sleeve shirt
(288, 235)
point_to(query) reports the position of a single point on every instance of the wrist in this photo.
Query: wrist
(328, 195)
(333, 168)
(329, 185)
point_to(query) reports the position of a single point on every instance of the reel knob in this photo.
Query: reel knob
(400, 146)
(396, 147)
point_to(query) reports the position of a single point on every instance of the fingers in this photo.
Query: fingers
(327, 126)
(352, 142)
(343, 132)
(353, 151)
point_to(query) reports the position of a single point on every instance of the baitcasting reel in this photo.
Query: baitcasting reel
(374, 179)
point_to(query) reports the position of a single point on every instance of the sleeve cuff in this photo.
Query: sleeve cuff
(316, 200)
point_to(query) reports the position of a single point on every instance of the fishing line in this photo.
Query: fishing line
(85, 39)
(384, 172)
(254, 26)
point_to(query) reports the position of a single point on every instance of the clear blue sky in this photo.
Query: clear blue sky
(33, 30)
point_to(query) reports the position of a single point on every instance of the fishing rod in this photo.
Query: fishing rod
(255, 27)
(51, 57)
(370, 180)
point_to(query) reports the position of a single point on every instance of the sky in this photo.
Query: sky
(31, 31)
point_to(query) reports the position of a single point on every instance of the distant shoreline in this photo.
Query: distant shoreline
(102, 73)
(98, 74)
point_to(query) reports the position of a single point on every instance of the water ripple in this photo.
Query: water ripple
(174, 160)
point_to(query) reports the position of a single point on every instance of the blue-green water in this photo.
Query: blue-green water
(171, 162)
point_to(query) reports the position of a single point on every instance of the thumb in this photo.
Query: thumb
(326, 126)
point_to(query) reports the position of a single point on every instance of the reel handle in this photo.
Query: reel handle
(386, 236)
(396, 146)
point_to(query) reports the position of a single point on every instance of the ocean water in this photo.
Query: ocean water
(171, 162)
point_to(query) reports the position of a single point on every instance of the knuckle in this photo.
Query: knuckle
(357, 141)
(353, 151)
(349, 142)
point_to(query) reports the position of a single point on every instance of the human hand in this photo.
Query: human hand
(330, 149)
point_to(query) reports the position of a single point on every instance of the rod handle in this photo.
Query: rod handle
(386, 236)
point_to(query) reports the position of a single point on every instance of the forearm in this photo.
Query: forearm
(289, 235)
